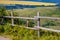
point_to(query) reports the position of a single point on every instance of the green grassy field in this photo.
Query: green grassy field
(31, 12)
(17, 33)
(44, 11)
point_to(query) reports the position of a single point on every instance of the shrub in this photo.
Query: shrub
(1, 29)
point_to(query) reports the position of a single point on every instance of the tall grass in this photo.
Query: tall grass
(44, 11)
(18, 33)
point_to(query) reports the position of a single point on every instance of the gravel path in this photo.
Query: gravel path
(3, 38)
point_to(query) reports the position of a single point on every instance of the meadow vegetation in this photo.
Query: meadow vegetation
(17, 33)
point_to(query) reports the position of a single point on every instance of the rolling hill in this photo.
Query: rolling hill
(26, 3)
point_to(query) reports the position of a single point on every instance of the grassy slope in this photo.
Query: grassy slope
(33, 11)
(17, 33)
(26, 3)
(25, 34)
(50, 12)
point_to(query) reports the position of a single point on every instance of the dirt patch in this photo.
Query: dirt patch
(3, 38)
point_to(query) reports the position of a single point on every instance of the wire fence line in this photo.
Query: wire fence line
(38, 17)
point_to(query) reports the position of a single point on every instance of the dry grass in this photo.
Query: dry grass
(26, 3)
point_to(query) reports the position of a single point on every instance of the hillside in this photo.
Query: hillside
(17, 33)
(26, 3)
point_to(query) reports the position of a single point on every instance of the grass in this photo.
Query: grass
(33, 11)
(44, 11)
(17, 33)
(26, 3)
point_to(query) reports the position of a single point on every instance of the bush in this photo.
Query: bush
(1, 29)
(2, 11)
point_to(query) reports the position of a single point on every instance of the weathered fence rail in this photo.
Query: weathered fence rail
(17, 17)
(52, 18)
(35, 18)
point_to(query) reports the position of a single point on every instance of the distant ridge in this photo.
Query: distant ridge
(26, 3)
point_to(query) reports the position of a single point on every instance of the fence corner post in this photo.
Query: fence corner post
(12, 20)
(38, 23)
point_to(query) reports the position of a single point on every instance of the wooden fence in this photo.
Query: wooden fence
(38, 27)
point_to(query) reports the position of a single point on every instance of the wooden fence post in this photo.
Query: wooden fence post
(1, 20)
(27, 22)
(38, 23)
(12, 18)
